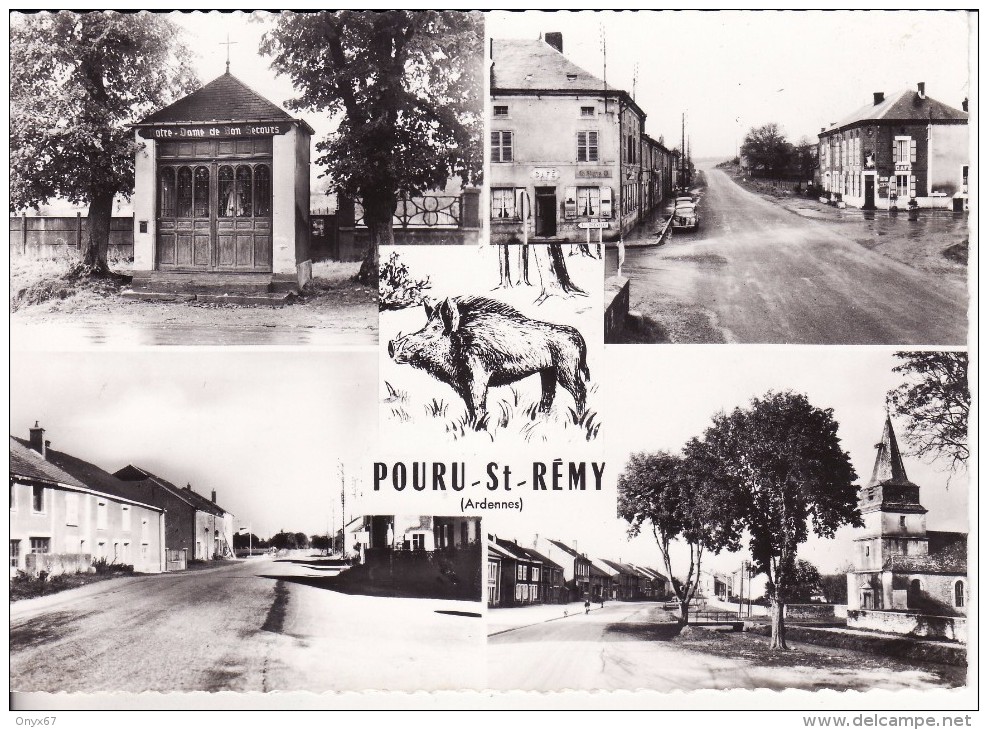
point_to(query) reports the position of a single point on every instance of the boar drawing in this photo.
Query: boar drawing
(473, 343)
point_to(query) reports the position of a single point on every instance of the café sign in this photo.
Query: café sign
(214, 131)
(545, 174)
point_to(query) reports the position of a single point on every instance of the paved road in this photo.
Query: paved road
(235, 628)
(627, 646)
(766, 275)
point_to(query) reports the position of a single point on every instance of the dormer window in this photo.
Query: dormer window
(571, 77)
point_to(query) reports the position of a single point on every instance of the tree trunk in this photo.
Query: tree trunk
(778, 624)
(97, 241)
(684, 611)
(557, 265)
(379, 211)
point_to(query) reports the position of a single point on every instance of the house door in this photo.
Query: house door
(867, 600)
(869, 192)
(545, 211)
(214, 206)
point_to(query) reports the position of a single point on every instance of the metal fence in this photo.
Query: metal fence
(424, 211)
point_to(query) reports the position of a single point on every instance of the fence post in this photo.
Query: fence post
(24, 234)
(78, 230)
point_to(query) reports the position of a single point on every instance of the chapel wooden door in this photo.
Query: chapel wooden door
(215, 206)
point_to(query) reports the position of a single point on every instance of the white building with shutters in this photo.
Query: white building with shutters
(566, 151)
(906, 147)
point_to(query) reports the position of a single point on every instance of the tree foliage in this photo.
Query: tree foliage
(76, 81)
(834, 585)
(406, 86)
(803, 585)
(934, 401)
(768, 151)
(662, 491)
(784, 460)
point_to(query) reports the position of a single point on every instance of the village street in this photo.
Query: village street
(762, 274)
(237, 628)
(632, 646)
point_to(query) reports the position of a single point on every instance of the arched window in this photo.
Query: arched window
(184, 204)
(262, 190)
(959, 594)
(226, 192)
(166, 193)
(244, 192)
(201, 193)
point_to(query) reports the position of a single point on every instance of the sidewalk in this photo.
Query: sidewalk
(649, 231)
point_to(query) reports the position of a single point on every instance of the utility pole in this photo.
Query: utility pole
(682, 154)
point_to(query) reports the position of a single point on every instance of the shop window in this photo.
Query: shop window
(588, 201)
(503, 203)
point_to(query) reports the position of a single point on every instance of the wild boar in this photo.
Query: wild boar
(473, 343)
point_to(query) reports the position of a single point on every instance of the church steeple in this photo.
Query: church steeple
(890, 489)
(889, 468)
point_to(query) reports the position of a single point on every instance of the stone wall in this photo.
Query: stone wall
(58, 563)
(908, 623)
(799, 611)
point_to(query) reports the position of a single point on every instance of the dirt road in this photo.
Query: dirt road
(237, 628)
(762, 274)
(628, 646)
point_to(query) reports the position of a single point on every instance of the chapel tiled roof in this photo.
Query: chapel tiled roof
(947, 556)
(905, 105)
(224, 99)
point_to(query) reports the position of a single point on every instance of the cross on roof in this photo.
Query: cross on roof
(228, 43)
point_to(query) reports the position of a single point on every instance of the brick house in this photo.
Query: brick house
(65, 512)
(904, 147)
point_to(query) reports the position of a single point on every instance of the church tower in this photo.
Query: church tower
(895, 524)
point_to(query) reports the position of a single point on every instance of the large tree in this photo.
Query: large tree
(406, 87)
(767, 149)
(76, 81)
(661, 490)
(934, 400)
(784, 460)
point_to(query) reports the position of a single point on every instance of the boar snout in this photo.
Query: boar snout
(395, 348)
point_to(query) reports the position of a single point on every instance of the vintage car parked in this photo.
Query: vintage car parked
(685, 217)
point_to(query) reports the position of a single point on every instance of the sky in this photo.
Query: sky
(731, 71)
(266, 430)
(666, 395)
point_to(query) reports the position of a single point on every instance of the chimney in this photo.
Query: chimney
(921, 89)
(214, 497)
(879, 97)
(822, 130)
(38, 442)
(964, 104)
(555, 40)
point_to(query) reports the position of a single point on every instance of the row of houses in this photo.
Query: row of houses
(551, 571)
(66, 512)
(364, 534)
(568, 153)
(899, 149)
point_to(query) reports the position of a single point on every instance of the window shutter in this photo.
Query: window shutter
(569, 209)
(606, 210)
(895, 152)
(912, 150)
(912, 185)
(519, 202)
